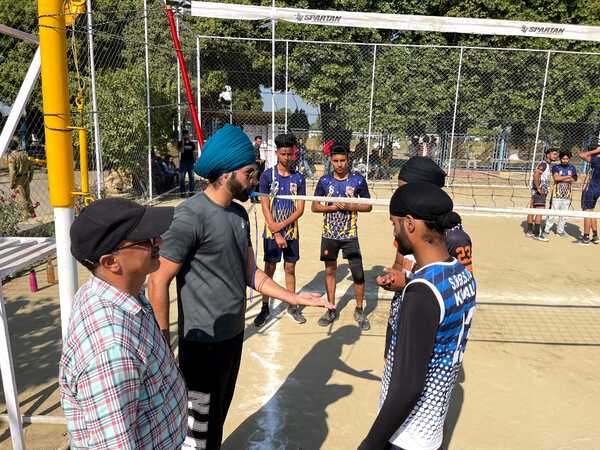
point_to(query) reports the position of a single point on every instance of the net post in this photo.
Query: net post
(59, 147)
(198, 80)
(148, 110)
(95, 119)
(539, 122)
(273, 24)
(371, 110)
(287, 43)
(179, 136)
(458, 77)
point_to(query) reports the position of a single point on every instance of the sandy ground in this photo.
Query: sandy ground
(530, 371)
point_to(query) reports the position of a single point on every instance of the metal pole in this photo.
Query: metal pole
(458, 76)
(287, 48)
(178, 86)
(20, 102)
(9, 383)
(95, 119)
(539, 123)
(272, 154)
(148, 111)
(59, 148)
(371, 109)
(198, 81)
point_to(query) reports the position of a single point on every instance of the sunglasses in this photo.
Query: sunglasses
(146, 243)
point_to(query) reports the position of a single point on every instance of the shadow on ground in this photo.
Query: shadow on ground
(454, 409)
(295, 417)
(34, 327)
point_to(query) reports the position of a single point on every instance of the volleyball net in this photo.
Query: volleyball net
(485, 114)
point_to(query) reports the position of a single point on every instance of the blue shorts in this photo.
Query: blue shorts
(273, 253)
(589, 197)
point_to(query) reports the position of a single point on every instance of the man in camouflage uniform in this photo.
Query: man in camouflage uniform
(20, 170)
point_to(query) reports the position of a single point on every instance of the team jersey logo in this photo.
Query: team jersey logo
(349, 191)
(331, 190)
(274, 187)
(293, 188)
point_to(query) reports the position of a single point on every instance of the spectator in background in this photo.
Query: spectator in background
(327, 146)
(303, 164)
(360, 151)
(187, 157)
(260, 162)
(20, 172)
(564, 175)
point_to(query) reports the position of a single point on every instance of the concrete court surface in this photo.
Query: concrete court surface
(530, 370)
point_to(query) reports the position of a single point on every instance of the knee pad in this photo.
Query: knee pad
(356, 269)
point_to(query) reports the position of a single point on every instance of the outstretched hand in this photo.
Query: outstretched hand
(393, 280)
(313, 299)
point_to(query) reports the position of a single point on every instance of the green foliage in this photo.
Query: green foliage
(414, 87)
(11, 215)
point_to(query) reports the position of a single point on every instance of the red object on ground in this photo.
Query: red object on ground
(33, 287)
(185, 77)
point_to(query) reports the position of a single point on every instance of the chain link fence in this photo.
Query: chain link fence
(486, 115)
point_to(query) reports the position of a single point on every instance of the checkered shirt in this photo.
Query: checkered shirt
(120, 387)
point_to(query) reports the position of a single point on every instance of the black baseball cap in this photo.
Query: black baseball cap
(104, 224)
(420, 169)
(423, 201)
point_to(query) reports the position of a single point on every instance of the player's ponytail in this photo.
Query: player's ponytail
(444, 222)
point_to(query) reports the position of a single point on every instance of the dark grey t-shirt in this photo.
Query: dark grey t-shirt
(211, 243)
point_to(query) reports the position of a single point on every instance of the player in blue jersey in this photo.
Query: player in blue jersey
(281, 235)
(590, 194)
(430, 326)
(422, 169)
(340, 229)
(564, 175)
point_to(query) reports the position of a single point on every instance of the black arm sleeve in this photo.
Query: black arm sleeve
(419, 320)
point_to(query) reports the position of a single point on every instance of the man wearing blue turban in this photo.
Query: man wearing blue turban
(208, 249)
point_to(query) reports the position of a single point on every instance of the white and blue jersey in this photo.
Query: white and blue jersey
(454, 288)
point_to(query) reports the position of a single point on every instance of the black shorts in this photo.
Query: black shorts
(589, 197)
(330, 249)
(272, 252)
(538, 199)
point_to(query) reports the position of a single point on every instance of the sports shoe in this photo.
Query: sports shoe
(327, 318)
(262, 317)
(542, 237)
(361, 319)
(584, 241)
(296, 314)
(595, 239)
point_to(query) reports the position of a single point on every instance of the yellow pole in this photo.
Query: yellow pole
(83, 161)
(55, 92)
(59, 148)
(83, 149)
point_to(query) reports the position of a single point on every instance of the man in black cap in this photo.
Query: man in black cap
(420, 169)
(119, 384)
(429, 325)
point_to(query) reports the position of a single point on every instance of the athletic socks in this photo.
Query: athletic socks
(536, 229)
(530, 228)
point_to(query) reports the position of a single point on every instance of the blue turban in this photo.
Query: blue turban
(227, 150)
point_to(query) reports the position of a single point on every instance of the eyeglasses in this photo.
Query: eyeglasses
(146, 243)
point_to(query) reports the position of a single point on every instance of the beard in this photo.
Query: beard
(404, 246)
(237, 190)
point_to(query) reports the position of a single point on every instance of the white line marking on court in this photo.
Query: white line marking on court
(272, 423)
